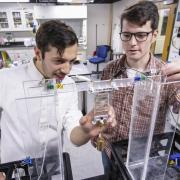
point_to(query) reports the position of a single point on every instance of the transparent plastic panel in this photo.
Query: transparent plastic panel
(151, 133)
(40, 131)
(166, 123)
(94, 84)
(46, 87)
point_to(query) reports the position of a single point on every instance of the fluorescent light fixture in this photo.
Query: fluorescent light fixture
(47, 1)
(4, 1)
(75, 1)
(64, 1)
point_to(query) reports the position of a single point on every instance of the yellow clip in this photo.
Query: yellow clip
(171, 162)
(59, 86)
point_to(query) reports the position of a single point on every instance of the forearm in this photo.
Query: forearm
(78, 136)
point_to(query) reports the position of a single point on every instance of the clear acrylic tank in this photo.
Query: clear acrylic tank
(149, 148)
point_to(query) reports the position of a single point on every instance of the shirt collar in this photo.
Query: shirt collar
(153, 67)
(33, 72)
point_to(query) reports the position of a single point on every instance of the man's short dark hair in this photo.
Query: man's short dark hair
(140, 13)
(56, 34)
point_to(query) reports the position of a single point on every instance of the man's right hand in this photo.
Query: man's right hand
(94, 130)
(86, 130)
(172, 70)
(2, 176)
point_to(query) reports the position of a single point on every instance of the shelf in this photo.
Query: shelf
(16, 21)
(15, 29)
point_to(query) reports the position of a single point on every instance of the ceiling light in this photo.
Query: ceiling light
(14, 1)
(64, 1)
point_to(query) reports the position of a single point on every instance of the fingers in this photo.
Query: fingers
(87, 118)
(86, 122)
(112, 117)
(83, 121)
(90, 116)
(172, 70)
(174, 77)
(2, 176)
(94, 129)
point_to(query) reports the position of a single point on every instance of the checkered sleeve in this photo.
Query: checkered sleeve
(174, 98)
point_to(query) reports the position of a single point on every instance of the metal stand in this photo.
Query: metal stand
(11, 169)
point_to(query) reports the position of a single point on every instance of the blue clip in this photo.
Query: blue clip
(137, 78)
(175, 155)
(176, 158)
(27, 161)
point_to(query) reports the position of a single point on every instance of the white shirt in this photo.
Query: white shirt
(11, 88)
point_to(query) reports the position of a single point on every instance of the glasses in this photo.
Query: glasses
(140, 36)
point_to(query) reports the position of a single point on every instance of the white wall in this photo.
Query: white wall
(99, 14)
(61, 12)
(16, 6)
(117, 9)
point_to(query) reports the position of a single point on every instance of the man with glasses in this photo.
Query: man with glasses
(139, 25)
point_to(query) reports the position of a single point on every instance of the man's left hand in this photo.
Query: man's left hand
(172, 70)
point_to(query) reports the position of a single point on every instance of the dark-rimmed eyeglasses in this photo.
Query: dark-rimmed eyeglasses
(140, 36)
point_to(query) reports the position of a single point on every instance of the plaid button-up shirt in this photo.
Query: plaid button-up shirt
(122, 100)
